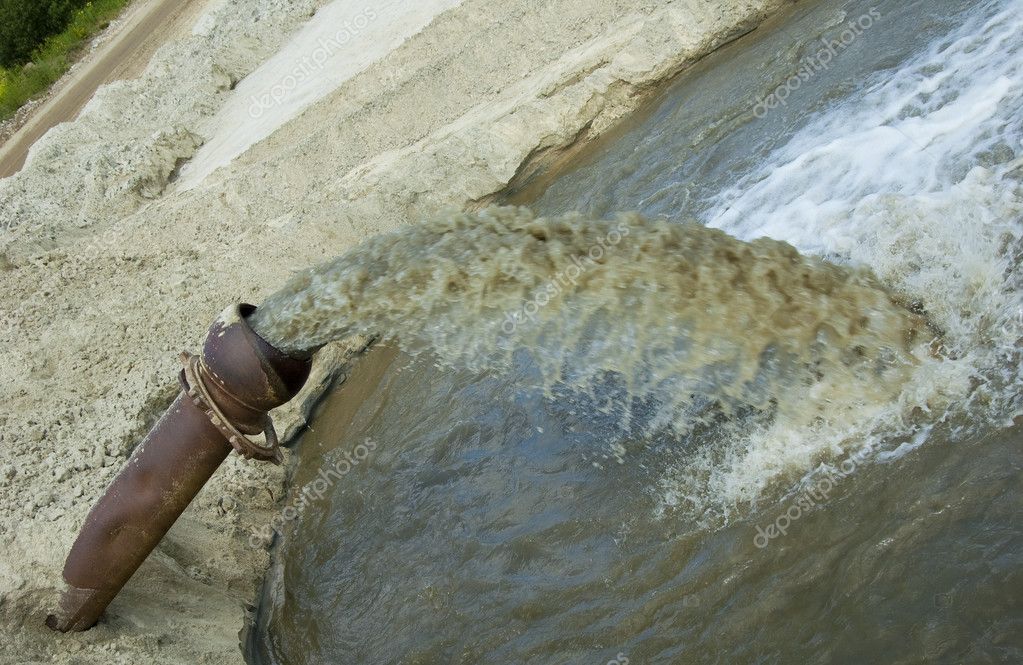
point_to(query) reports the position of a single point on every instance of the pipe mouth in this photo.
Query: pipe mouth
(247, 367)
(246, 310)
(239, 378)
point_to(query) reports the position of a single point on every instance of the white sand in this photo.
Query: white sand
(341, 40)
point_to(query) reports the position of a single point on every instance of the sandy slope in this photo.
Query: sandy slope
(107, 271)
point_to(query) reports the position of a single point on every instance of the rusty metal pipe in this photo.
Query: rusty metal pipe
(226, 394)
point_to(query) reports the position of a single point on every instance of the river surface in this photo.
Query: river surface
(465, 500)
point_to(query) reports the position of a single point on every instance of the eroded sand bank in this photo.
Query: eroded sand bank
(108, 271)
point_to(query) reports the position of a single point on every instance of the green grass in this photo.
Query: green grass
(18, 85)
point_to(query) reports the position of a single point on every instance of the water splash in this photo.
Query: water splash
(691, 323)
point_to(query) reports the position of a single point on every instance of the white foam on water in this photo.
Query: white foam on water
(908, 178)
(341, 40)
(918, 178)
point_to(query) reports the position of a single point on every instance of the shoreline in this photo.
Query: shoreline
(449, 118)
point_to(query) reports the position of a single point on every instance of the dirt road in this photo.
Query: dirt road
(148, 25)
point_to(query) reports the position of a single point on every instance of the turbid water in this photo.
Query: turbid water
(639, 318)
(693, 444)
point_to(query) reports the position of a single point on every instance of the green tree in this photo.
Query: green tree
(24, 24)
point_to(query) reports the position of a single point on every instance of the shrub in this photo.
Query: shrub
(51, 57)
(25, 24)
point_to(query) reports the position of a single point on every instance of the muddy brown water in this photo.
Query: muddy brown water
(465, 497)
(468, 535)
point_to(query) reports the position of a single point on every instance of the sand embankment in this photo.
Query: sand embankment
(108, 271)
(121, 51)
